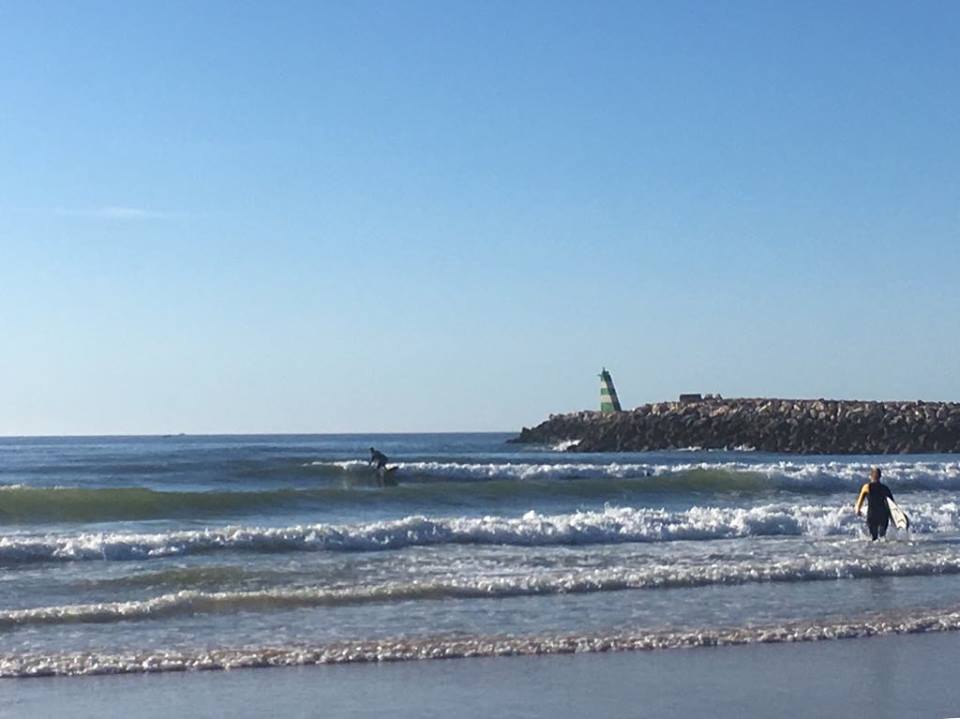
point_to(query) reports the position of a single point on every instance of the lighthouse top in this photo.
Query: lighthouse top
(609, 402)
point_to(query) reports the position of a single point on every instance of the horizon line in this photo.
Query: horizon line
(174, 435)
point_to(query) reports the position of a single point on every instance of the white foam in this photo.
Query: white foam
(654, 575)
(423, 648)
(610, 525)
(836, 474)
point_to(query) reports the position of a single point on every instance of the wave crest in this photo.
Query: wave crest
(415, 649)
(827, 475)
(609, 526)
(652, 577)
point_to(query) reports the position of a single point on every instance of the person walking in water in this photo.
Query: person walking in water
(378, 458)
(876, 493)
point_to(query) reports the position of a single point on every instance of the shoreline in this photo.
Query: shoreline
(438, 650)
(889, 676)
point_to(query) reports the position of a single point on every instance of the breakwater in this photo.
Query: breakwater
(770, 425)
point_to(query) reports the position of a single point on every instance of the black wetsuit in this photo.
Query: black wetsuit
(379, 457)
(878, 513)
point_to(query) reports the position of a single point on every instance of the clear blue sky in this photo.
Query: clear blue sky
(403, 216)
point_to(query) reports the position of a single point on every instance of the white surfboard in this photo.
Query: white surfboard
(900, 520)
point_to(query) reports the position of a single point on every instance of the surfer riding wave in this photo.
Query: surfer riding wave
(379, 459)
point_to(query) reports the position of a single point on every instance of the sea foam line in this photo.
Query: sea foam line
(413, 649)
(612, 525)
(660, 576)
(837, 475)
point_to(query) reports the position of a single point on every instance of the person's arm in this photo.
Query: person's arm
(864, 491)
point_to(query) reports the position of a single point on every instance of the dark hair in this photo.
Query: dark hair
(878, 471)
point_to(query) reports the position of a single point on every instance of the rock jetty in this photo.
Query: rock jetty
(800, 426)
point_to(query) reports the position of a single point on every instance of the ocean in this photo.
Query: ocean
(154, 554)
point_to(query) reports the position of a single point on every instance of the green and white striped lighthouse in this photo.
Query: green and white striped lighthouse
(608, 393)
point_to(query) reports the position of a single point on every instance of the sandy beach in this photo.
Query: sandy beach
(893, 676)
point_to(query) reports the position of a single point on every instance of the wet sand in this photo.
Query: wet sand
(895, 676)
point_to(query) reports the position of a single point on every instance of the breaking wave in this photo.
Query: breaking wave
(788, 475)
(350, 482)
(413, 649)
(607, 526)
(656, 576)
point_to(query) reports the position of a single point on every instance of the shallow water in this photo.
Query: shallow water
(152, 553)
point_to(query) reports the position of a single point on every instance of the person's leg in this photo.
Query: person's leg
(883, 526)
(874, 530)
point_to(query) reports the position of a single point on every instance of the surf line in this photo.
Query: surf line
(397, 650)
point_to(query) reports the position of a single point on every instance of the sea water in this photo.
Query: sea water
(143, 554)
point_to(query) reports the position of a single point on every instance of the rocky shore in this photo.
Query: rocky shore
(769, 425)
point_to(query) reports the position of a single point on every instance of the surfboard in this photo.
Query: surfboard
(900, 520)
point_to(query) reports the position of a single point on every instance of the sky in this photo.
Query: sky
(241, 217)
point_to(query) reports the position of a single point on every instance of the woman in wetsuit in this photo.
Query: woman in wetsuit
(878, 513)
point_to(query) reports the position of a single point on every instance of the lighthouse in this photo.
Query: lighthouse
(609, 402)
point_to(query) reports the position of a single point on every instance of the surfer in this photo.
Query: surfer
(378, 458)
(384, 473)
(878, 513)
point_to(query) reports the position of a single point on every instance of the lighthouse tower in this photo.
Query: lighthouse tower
(608, 394)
